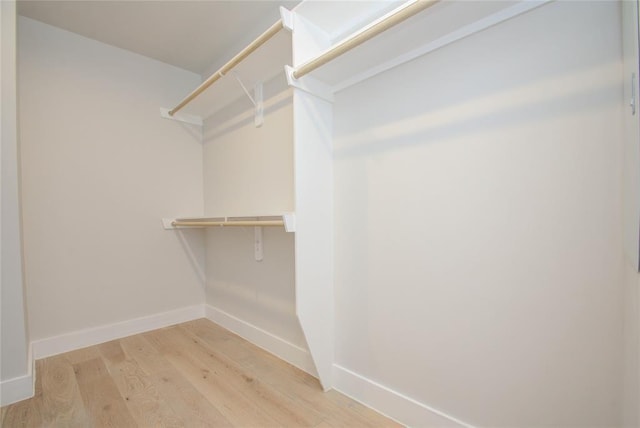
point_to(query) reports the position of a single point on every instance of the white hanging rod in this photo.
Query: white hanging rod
(346, 45)
(262, 39)
(241, 223)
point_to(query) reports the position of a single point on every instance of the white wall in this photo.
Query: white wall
(631, 377)
(478, 248)
(13, 332)
(258, 293)
(631, 218)
(100, 168)
(249, 171)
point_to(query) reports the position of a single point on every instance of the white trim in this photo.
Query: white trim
(16, 389)
(511, 12)
(404, 409)
(293, 354)
(21, 387)
(93, 336)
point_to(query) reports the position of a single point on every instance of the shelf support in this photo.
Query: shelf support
(309, 85)
(256, 100)
(258, 104)
(286, 17)
(257, 243)
(289, 222)
(182, 117)
(262, 39)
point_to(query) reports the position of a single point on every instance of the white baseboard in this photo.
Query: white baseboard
(293, 354)
(94, 336)
(391, 403)
(21, 387)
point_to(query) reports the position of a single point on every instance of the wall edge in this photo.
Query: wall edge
(287, 351)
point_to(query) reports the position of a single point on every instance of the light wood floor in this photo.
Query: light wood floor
(190, 375)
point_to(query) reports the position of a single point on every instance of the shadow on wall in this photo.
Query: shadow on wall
(568, 95)
(194, 131)
(260, 293)
(240, 113)
(192, 242)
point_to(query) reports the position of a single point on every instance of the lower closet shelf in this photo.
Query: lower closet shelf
(286, 220)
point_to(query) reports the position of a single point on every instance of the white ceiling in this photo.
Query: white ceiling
(193, 35)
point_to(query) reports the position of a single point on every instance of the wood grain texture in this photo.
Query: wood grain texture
(195, 374)
(285, 410)
(104, 404)
(212, 383)
(194, 409)
(141, 396)
(62, 403)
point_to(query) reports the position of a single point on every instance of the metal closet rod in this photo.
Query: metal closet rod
(241, 223)
(350, 43)
(262, 39)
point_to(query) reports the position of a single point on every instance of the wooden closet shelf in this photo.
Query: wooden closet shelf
(282, 220)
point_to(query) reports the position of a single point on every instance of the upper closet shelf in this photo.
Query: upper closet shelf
(427, 26)
(242, 76)
(287, 220)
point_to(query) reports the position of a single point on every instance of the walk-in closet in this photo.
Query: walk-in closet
(320, 213)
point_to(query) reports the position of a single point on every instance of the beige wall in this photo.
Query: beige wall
(14, 339)
(478, 248)
(100, 168)
(631, 218)
(249, 171)
(631, 382)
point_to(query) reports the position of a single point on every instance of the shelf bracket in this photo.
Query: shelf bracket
(257, 243)
(632, 102)
(256, 100)
(181, 117)
(167, 223)
(289, 222)
(309, 85)
(258, 119)
(286, 16)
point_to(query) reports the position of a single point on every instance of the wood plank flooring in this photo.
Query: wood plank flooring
(195, 374)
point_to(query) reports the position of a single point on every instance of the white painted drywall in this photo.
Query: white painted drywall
(631, 216)
(631, 374)
(314, 229)
(249, 171)
(313, 167)
(478, 246)
(14, 339)
(259, 293)
(100, 168)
